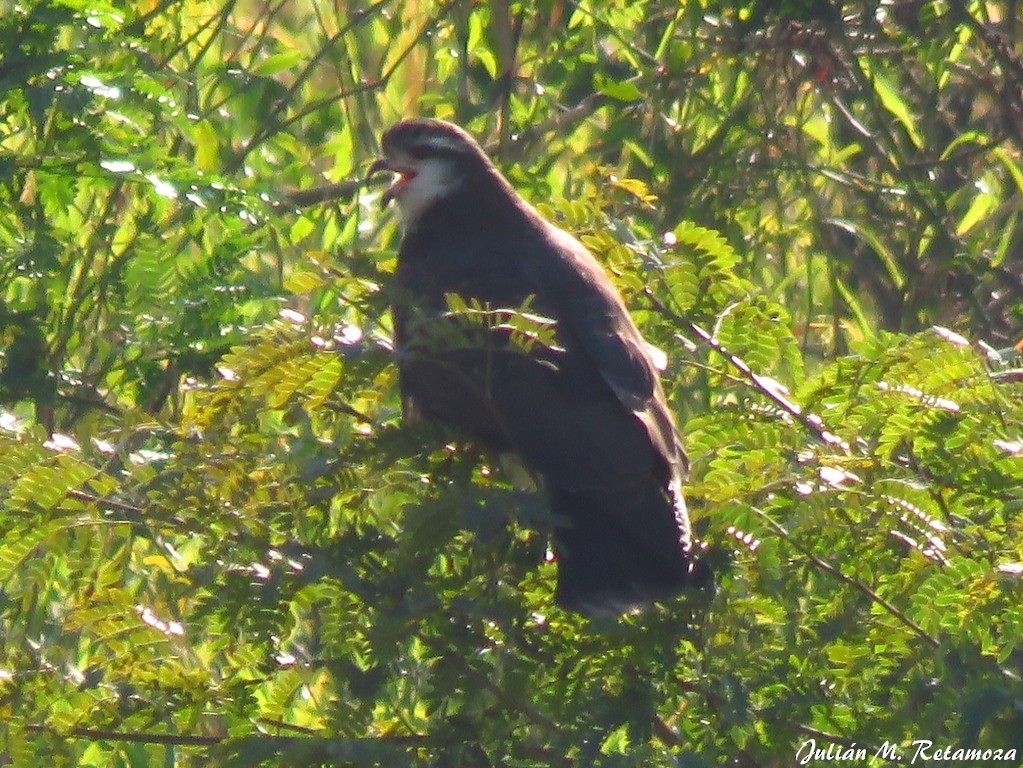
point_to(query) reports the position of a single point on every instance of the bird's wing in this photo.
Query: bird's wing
(592, 313)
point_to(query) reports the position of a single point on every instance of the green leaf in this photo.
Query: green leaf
(621, 90)
(894, 103)
(277, 63)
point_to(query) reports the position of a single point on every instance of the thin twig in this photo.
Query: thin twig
(827, 567)
(92, 499)
(810, 421)
(342, 190)
(136, 738)
(273, 122)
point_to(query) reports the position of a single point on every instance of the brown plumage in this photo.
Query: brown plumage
(583, 409)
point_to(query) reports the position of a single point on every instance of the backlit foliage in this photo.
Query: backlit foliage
(221, 546)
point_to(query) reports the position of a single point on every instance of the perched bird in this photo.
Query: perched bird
(583, 409)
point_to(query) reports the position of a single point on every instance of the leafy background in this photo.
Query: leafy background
(219, 545)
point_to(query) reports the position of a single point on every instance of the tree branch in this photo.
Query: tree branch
(813, 423)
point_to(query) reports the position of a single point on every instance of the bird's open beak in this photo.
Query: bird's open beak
(405, 175)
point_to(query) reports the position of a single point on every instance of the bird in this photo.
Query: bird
(481, 280)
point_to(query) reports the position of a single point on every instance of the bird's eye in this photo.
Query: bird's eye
(433, 147)
(420, 151)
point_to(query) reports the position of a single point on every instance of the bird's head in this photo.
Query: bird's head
(433, 159)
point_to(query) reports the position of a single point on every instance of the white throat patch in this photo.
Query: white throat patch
(435, 178)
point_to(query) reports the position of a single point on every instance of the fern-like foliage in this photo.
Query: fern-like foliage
(220, 545)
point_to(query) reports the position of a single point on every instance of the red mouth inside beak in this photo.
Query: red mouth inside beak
(405, 176)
